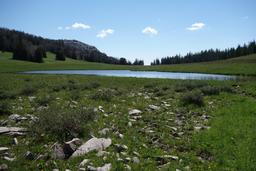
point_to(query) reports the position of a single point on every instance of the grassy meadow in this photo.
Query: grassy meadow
(193, 125)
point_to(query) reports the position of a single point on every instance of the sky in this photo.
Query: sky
(144, 29)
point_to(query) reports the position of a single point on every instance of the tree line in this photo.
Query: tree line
(33, 48)
(208, 55)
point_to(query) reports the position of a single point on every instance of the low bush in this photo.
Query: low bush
(194, 97)
(63, 123)
(188, 86)
(208, 90)
(28, 90)
(5, 108)
(104, 94)
(91, 85)
(7, 95)
(44, 99)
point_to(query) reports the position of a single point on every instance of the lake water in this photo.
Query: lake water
(139, 74)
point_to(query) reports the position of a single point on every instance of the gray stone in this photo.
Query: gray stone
(104, 131)
(3, 149)
(16, 117)
(153, 107)
(84, 162)
(136, 160)
(12, 130)
(97, 144)
(57, 151)
(71, 146)
(29, 156)
(9, 159)
(134, 112)
(3, 167)
(120, 148)
(106, 167)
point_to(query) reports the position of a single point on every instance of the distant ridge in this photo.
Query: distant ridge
(10, 39)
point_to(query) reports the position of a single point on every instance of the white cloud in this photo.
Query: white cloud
(105, 33)
(196, 26)
(75, 26)
(80, 26)
(150, 31)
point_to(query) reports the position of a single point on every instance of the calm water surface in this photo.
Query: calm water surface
(139, 74)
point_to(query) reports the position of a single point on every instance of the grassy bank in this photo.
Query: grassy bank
(193, 125)
(238, 66)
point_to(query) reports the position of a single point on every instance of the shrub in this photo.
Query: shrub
(104, 94)
(227, 89)
(63, 123)
(28, 90)
(7, 95)
(5, 107)
(207, 90)
(91, 85)
(194, 97)
(188, 86)
(75, 94)
(44, 99)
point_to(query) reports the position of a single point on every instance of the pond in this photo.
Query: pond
(139, 74)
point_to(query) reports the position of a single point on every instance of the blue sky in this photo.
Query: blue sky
(144, 29)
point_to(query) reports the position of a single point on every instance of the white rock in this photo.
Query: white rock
(9, 159)
(153, 107)
(134, 112)
(3, 149)
(106, 167)
(104, 131)
(84, 162)
(98, 144)
(4, 130)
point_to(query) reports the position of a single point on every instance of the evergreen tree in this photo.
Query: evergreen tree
(60, 56)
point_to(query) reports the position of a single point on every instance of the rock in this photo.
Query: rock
(15, 141)
(9, 159)
(101, 109)
(3, 122)
(121, 136)
(102, 153)
(29, 156)
(130, 124)
(120, 148)
(136, 153)
(3, 149)
(136, 160)
(82, 169)
(98, 144)
(55, 170)
(12, 130)
(127, 159)
(106, 167)
(134, 112)
(153, 107)
(104, 131)
(70, 147)
(84, 162)
(16, 117)
(57, 151)
(3, 167)
(127, 167)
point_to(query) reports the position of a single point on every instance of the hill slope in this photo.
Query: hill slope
(10, 40)
(245, 65)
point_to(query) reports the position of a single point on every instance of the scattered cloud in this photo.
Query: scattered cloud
(104, 33)
(196, 26)
(150, 31)
(75, 26)
(80, 26)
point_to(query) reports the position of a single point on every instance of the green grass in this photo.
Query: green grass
(237, 66)
(229, 144)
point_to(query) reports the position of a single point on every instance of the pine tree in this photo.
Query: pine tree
(60, 55)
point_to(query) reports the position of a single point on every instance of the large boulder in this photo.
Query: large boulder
(97, 144)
